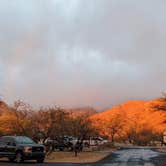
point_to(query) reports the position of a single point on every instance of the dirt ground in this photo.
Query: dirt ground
(83, 157)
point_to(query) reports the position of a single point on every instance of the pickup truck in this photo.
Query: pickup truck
(20, 148)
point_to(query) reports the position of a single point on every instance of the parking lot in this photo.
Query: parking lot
(124, 157)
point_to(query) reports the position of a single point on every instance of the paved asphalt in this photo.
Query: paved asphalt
(123, 157)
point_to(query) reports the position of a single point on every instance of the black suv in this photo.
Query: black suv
(20, 148)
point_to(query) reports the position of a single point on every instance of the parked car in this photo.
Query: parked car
(20, 148)
(60, 143)
(94, 141)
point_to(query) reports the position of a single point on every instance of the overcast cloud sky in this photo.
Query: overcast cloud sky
(82, 52)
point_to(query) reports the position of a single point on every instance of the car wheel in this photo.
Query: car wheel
(61, 148)
(40, 160)
(19, 157)
(11, 159)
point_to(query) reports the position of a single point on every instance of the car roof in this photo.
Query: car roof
(12, 136)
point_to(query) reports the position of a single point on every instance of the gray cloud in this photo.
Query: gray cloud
(81, 52)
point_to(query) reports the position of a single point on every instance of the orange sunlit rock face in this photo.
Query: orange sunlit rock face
(131, 117)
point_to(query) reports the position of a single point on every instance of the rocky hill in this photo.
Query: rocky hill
(132, 117)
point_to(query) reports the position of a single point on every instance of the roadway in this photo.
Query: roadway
(134, 156)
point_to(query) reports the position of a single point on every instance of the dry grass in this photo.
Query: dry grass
(83, 157)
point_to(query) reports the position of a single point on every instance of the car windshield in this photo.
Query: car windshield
(24, 140)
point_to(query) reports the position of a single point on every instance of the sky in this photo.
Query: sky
(75, 53)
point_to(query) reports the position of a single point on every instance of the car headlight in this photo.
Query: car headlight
(27, 149)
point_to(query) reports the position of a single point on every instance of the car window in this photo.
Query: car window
(24, 140)
(2, 141)
(10, 141)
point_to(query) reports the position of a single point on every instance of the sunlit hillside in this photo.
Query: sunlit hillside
(132, 120)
